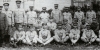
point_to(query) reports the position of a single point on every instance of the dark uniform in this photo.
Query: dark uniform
(95, 26)
(2, 25)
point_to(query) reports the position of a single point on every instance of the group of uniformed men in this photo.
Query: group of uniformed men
(31, 28)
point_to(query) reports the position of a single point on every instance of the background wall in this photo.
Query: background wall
(50, 3)
(38, 3)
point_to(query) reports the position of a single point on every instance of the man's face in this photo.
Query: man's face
(90, 8)
(56, 7)
(66, 22)
(79, 9)
(59, 27)
(44, 9)
(6, 7)
(75, 27)
(18, 5)
(20, 28)
(31, 8)
(45, 27)
(88, 27)
(51, 20)
(32, 29)
(66, 10)
(94, 21)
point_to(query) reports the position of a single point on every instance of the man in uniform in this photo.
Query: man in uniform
(45, 35)
(60, 34)
(19, 14)
(56, 14)
(3, 25)
(95, 26)
(44, 15)
(31, 35)
(74, 34)
(88, 35)
(31, 16)
(80, 15)
(89, 15)
(67, 15)
(10, 19)
(19, 36)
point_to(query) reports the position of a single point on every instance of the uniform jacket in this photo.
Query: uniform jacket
(68, 16)
(10, 17)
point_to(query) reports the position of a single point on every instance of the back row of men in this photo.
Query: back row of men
(62, 25)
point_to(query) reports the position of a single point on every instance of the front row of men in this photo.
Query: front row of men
(47, 34)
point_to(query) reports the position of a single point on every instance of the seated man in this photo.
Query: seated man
(88, 35)
(60, 34)
(95, 26)
(31, 35)
(44, 35)
(19, 36)
(74, 34)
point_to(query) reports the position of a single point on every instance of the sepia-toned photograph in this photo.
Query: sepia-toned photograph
(49, 25)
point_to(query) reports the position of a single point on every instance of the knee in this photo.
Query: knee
(82, 38)
(24, 41)
(12, 39)
(98, 39)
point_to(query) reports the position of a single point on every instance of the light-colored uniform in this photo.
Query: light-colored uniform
(90, 15)
(44, 17)
(56, 14)
(10, 20)
(45, 37)
(60, 35)
(74, 35)
(31, 17)
(19, 35)
(68, 16)
(31, 37)
(19, 16)
(10, 17)
(80, 16)
(52, 26)
(88, 36)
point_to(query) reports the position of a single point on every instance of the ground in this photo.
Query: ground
(54, 47)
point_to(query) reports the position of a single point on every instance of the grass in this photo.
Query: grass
(53, 47)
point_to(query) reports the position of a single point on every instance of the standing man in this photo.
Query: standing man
(56, 14)
(19, 14)
(31, 16)
(3, 25)
(89, 15)
(67, 15)
(80, 15)
(44, 15)
(10, 19)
